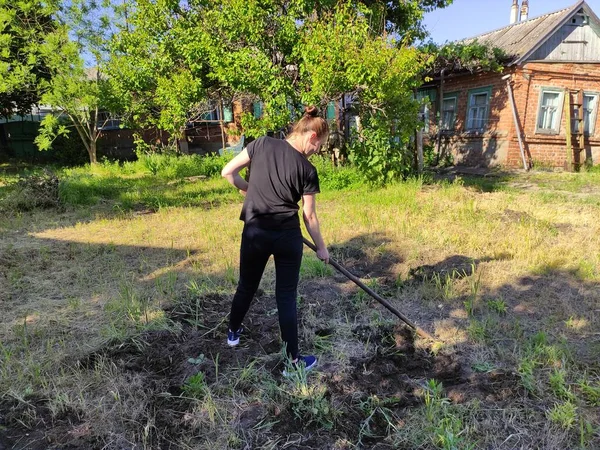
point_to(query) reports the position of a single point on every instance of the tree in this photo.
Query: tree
(174, 58)
(78, 93)
(24, 75)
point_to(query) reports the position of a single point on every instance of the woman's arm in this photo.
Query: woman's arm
(309, 214)
(231, 172)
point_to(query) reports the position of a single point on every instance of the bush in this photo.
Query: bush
(379, 157)
(172, 166)
(34, 191)
(335, 178)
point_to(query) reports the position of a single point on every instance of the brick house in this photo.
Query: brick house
(543, 107)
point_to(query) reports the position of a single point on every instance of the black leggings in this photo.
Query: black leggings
(257, 246)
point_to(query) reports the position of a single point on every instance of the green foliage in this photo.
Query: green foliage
(563, 414)
(26, 27)
(335, 178)
(471, 56)
(195, 386)
(379, 157)
(152, 181)
(273, 52)
(498, 305)
(308, 400)
(314, 268)
(446, 427)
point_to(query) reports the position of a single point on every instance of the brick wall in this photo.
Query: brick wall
(498, 144)
(528, 82)
(472, 148)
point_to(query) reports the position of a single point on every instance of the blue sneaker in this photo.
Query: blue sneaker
(233, 337)
(304, 362)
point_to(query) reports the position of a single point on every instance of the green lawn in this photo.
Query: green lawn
(115, 310)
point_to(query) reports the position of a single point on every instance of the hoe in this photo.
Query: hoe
(373, 294)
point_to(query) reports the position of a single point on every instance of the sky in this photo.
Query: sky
(467, 18)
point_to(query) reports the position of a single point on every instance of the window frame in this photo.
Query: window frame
(594, 113)
(449, 96)
(478, 91)
(561, 102)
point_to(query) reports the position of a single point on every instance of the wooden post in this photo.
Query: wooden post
(420, 150)
(222, 123)
(581, 123)
(567, 106)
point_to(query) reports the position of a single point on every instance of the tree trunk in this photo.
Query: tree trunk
(92, 152)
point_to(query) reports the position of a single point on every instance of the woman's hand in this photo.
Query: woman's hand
(323, 254)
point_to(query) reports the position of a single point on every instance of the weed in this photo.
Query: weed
(308, 401)
(559, 386)
(483, 367)
(377, 412)
(525, 370)
(195, 386)
(313, 267)
(497, 305)
(446, 427)
(478, 331)
(474, 286)
(590, 391)
(563, 414)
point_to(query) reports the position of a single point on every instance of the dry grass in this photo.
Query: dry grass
(506, 274)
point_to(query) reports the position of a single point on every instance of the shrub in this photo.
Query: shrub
(34, 191)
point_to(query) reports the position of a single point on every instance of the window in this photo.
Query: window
(590, 106)
(426, 97)
(549, 113)
(424, 116)
(449, 111)
(257, 109)
(330, 112)
(478, 109)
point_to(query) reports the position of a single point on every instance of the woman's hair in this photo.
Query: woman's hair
(311, 121)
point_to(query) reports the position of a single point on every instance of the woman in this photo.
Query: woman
(281, 175)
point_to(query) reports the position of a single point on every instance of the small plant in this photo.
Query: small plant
(377, 415)
(559, 385)
(360, 298)
(308, 401)
(497, 305)
(314, 268)
(196, 361)
(590, 392)
(525, 371)
(563, 414)
(474, 286)
(195, 386)
(478, 330)
(446, 427)
(483, 367)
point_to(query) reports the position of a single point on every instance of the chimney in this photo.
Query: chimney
(524, 10)
(514, 12)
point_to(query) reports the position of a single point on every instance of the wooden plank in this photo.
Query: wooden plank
(568, 129)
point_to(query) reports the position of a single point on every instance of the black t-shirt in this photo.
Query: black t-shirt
(280, 176)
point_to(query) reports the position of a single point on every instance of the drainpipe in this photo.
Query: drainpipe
(514, 112)
(441, 113)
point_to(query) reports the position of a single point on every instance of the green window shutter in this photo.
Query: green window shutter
(257, 109)
(330, 113)
(227, 114)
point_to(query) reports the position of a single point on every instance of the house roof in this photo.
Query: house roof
(521, 39)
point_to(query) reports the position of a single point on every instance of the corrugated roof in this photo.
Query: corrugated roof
(519, 39)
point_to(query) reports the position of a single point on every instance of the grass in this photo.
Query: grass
(115, 308)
